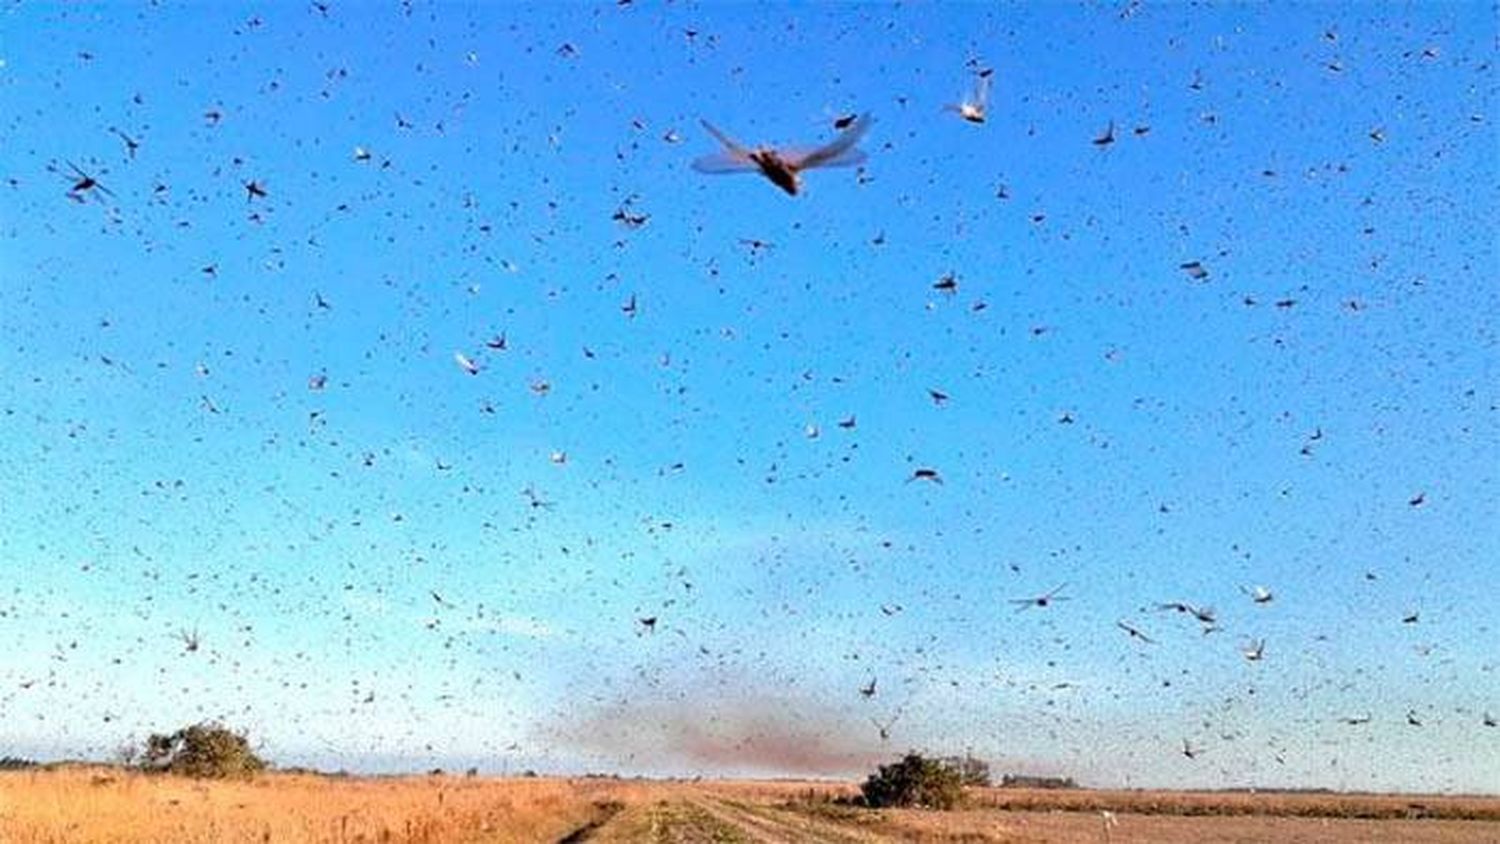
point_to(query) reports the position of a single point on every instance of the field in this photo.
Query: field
(82, 804)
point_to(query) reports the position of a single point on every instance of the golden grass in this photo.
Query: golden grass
(100, 804)
(106, 805)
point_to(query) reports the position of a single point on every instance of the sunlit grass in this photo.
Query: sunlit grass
(103, 804)
(107, 805)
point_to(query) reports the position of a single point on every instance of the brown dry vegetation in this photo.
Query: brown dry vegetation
(108, 805)
(1089, 828)
(1280, 803)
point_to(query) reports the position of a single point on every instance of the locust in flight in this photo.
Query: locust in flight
(784, 167)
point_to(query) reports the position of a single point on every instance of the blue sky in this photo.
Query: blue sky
(415, 566)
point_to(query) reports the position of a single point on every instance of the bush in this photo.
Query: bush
(202, 750)
(915, 781)
(971, 771)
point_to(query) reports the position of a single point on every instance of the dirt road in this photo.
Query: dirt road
(711, 818)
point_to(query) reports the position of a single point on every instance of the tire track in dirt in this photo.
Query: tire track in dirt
(668, 822)
(769, 825)
(604, 810)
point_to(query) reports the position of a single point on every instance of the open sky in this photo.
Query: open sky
(1222, 315)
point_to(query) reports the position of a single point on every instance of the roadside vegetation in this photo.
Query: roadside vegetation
(79, 803)
(206, 750)
(919, 782)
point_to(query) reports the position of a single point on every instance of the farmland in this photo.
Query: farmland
(99, 804)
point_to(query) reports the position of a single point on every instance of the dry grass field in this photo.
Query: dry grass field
(82, 804)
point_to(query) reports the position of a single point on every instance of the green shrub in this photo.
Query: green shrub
(208, 750)
(915, 781)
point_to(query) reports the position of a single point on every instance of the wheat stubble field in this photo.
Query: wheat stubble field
(106, 805)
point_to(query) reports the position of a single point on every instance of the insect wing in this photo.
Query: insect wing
(728, 142)
(839, 153)
(723, 162)
(982, 91)
(734, 158)
(802, 158)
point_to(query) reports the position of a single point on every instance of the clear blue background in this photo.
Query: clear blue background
(165, 467)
